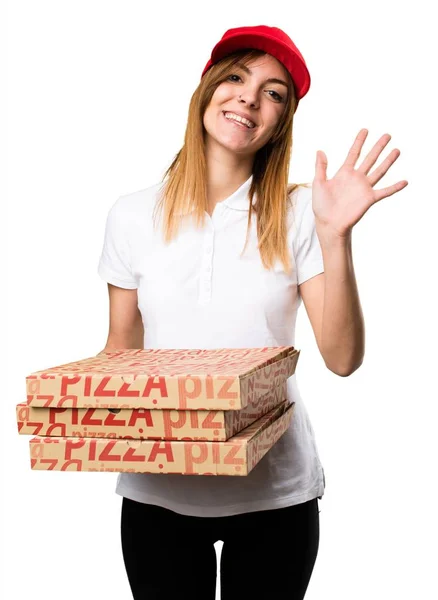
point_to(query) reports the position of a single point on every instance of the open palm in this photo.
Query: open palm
(340, 202)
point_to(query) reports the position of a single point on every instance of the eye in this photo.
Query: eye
(277, 95)
(280, 98)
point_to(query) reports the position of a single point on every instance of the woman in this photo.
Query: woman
(236, 250)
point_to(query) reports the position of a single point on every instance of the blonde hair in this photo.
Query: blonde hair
(186, 187)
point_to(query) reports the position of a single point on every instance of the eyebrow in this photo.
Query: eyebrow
(270, 80)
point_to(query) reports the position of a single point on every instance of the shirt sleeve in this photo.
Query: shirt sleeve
(308, 257)
(115, 260)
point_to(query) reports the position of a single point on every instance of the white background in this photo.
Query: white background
(97, 102)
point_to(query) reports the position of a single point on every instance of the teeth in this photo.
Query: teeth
(234, 117)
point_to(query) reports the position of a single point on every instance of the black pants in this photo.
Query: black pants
(267, 554)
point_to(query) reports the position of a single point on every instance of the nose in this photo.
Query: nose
(249, 97)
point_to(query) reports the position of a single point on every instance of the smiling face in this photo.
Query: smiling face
(261, 101)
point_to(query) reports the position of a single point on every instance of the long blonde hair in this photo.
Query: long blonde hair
(185, 190)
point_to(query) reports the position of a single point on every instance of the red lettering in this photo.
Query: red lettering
(87, 386)
(36, 449)
(184, 393)
(33, 385)
(73, 445)
(268, 370)
(106, 455)
(66, 381)
(37, 427)
(230, 458)
(53, 411)
(194, 419)
(209, 383)
(100, 389)
(191, 459)
(46, 376)
(111, 420)
(56, 430)
(49, 399)
(87, 420)
(171, 424)
(92, 450)
(125, 391)
(52, 462)
(74, 401)
(151, 384)
(208, 422)
(216, 453)
(224, 392)
(23, 413)
(74, 416)
(156, 449)
(131, 456)
(140, 414)
(77, 463)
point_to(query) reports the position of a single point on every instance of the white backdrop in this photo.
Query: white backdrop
(97, 101)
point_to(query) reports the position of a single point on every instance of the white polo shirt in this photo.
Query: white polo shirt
(197, 292)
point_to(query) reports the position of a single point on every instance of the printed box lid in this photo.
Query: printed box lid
(236, 456)
(144, 423)
(183, 379)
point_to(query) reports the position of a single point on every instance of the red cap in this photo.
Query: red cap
(272, 40)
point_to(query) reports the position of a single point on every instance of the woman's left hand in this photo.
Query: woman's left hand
(339, 203)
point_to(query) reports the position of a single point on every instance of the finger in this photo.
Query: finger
(378, 173)
(321, 166)
(356, 148)
(374, 153)
(390, 190)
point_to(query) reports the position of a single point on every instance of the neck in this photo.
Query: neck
(226, 172)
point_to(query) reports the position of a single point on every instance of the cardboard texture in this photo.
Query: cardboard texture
(194, 412)
(220, 379)
(144, 423)
(237, 456)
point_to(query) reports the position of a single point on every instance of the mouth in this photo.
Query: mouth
(237, 123)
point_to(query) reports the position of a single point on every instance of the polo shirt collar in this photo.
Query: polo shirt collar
(238, 200)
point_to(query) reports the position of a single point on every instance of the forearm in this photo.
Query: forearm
(133, 340)
(343, 329)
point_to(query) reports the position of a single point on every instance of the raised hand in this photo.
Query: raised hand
(340, 202)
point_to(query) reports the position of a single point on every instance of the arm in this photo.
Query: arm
(125, 323)
(333, 306)
(338, 204)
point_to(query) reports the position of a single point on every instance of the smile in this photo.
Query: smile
(237, 124)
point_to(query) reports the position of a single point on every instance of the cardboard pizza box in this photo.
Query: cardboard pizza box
(185, 379)
(145, 423)
(235, 457)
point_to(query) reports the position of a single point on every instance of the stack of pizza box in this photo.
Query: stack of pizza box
(186, 411)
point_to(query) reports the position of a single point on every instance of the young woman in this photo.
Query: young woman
(221, 255)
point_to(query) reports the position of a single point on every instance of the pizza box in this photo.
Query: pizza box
(234, 457)
(145, 423)
(181, 379)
